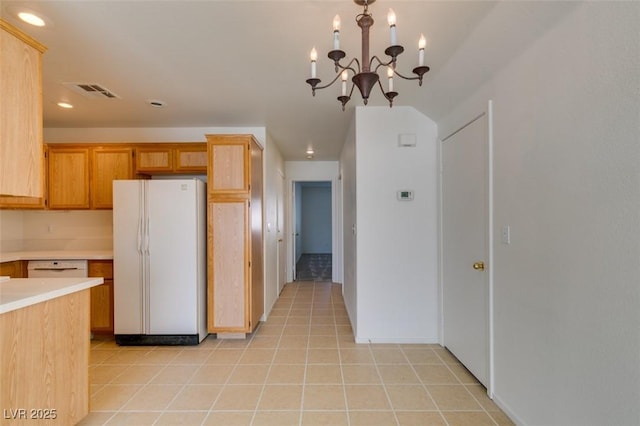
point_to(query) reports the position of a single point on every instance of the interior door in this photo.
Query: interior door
(296, 201)
(281, 254)
(464, 238)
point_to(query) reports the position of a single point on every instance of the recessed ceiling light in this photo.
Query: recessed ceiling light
(310, 151)
(156, 103)
(31, 18)
(65, 105)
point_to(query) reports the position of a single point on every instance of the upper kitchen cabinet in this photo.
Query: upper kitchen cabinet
(191, 158)
(21, 165)
(229, 157)
(171, 158)
(154, 159)
(235, 236)
(81, 175)
(68, 178)
(107, 165)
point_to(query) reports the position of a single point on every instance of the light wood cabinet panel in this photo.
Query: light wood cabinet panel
(68, 178)
(235, 237)
(154, 159)
(102, 297)
(171, 158)
(21, 172)
(229, 221)
(14, 269)
(10, 202)
(107, 165)
(44, 359)
(191, 158)
(229, 166)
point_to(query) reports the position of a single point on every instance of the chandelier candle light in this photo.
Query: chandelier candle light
(363, 77)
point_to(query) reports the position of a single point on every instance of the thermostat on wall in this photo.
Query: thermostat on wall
(405, 195)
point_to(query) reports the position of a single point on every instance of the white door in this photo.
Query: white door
(281, 253)
(128, 261)
(296, 201)
(172, 250)
(464, 239)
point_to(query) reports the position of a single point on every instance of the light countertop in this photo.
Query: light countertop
(18, 293)
(56, 255)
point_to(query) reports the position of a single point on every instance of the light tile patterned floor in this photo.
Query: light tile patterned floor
(301, 367)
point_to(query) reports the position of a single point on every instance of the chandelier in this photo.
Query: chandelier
(365, 75)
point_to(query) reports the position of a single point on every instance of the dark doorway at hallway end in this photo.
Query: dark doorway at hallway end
(314, 267)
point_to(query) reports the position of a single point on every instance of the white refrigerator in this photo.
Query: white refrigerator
(160, 262)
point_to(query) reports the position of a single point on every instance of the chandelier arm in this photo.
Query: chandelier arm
(349, 66)
(405, 77)
(327, 85)
(380, 63)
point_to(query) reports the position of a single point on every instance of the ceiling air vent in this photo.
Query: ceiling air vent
(92, 90)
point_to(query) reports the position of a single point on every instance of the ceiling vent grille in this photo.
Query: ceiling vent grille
(92, 90)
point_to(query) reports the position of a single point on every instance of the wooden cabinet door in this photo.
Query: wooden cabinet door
(102, 297)
(228, 172)
(14, 269)
(107, 165)
(68, 178)
(154, 160)
(228, 266)
(191, 158)
(10, 202)
(21, 169)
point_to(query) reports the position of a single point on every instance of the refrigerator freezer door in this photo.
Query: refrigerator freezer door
(173, 254)
(128, 235)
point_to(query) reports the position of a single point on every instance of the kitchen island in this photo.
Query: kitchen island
(44, 350)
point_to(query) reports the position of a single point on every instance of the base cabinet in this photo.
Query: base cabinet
(14, 269)
(102, 297)
(236, 279)
(44, 362)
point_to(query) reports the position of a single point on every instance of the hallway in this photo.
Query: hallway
(314, 267)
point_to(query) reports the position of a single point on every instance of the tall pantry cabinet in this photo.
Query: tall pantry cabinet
(235, 235)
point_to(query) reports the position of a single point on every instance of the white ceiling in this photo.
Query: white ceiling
(244, 63)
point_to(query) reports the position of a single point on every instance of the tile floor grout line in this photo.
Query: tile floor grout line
(426, 388)
(264, 385)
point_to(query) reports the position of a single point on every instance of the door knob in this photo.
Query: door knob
(478, 266)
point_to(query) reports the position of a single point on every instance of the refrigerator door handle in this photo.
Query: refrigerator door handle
(140, 236)
(146, 235)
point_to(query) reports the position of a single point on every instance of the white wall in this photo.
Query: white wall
(349, 212)
(397, 291)
(316, 171)
(273, 171)
(11, 235)
(567, 181)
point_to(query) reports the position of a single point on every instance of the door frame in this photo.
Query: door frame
(336, 240)
(293, 221)
(489, 242)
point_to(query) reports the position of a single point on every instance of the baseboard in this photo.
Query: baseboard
(400, 341)
(507, 410)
